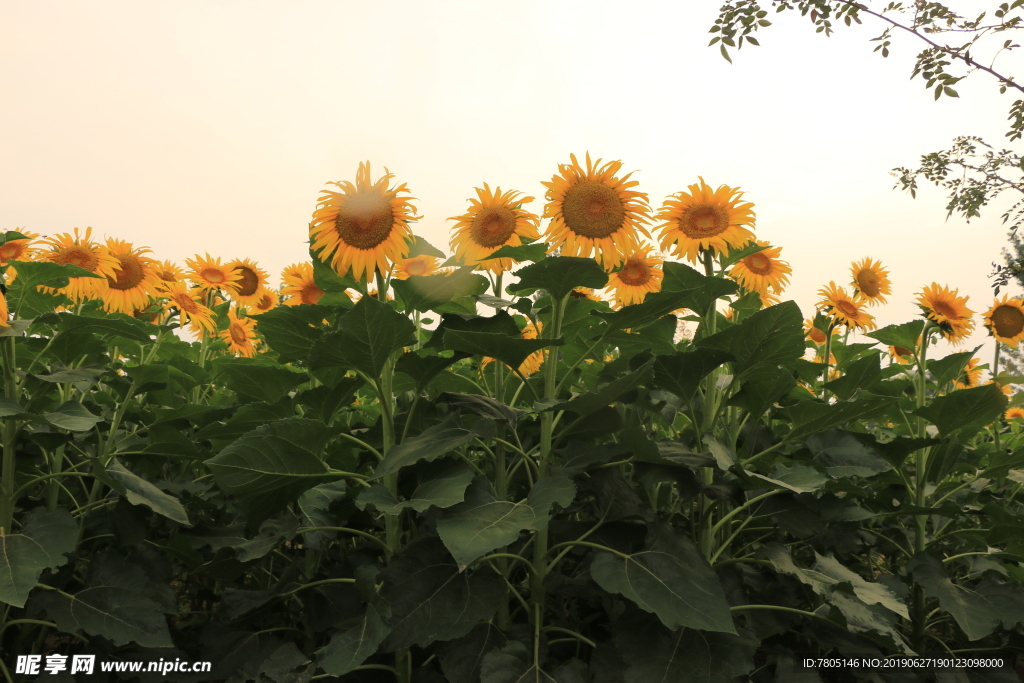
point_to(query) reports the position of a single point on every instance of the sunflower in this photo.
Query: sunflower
(833, 370)
(769, 299)
(593, 211)
(18, 250)
(417, 265)
(190, 310)
(494, 220)
(639, 275)
(250, 278)
(901, 355)
(871, 280)
(5, 312)
(364, 226)
(705, 219)
(79, 250)
(948, 311)
(534, 361)
(1005, 320)
(1014, 413)
(762, 270)
(298, 285)
(845, 309)
(168, 271)
(240, 335)
(585, 293)
(814, 334)
(133, 281)
(266, 299)
(970, 377)
(209, 274)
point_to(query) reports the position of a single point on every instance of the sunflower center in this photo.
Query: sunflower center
(817, 336)
(868, 282)
(364, 221)
(310, 294)
(212, 275)
(265, 303)
(635, 273)
(128, 273)
(238, 335)
(186, 303)
(943, 308)
(77, 256)
(11, 250)
(493, 227)
(759, 264)
(1008, 321)
(167, 276)
(592, 209)
(416, 267)
(901, 351)
(249, 282)
(849, 309)
(704, 220)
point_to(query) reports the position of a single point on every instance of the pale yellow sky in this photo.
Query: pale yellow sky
(212, 125)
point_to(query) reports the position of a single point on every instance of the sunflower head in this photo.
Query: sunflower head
(948, 311)
(133, 281)
(415, 265)
(298, 285)
(1014, 413)
(5, 312)
(703, 219)
(1005, 320)
(845, 309)
(240, 334)
(168, 271)
(266, 299)
(593, 211)
(970, 377)
(18, 250)
(364, 225)
(80, 250)
(901, 355)
(494, 220)
(209, 273)
(640, 274)
(762, 271)
(814, 334)
(871, 280)
(191, 312)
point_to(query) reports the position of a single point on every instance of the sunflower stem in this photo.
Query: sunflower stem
(10, 433)
(920, 485)
(995, 372)
(828, 361)
(708, 328)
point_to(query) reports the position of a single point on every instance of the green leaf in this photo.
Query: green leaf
(325, 401)
(966, 410)
(669, 578)
(315, 505)
(534, 251)
(859, 374)
(512, 352)
(559, 275)
(257, 380)
(951, 367)
(796, 478)
(905, 335)
(483, 523)
(843, 455)
(809, 417)
(682, 372)
(606, 394)
(72, 416)
(366, 337)
(327, 280)
(271, 533)
(422, 366)
(654, 307)
(499, 323)
(421, 247)
(426, 292)
(291, 331)
(120, 615)
(771, 337)
(757, 396)
(11, 408)
(110, 325)
(430, 599)
(351, 646)
(461, 658)
(45, 539)
(484, 406)
(89, 375)
(139, 491)
(445, 488)
(32, 274)
(972, 612)
(512, 663)
(701, 290)
(431, 444)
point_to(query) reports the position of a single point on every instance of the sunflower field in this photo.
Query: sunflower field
(594, 445)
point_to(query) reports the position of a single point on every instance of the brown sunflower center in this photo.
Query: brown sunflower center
(943, 308)
(128, 274)
(186, 303)
(265, 303)
(901, 351)
(238, 335)
(1008, 321)
(167, 276)
(817, 336)
(592, 209)
(704, 220)
(78, 256)
(493, 227)
(310, 294)
(248, 283)
(416, 267)
(635, 273)
(11, 250)
(759, 264)
(364, 221)
(213, 275)
(849, 309)
(868, 282)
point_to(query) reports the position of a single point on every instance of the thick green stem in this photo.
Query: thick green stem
(995, 372)
(920, 486)
(10, 433)
(828, 363)
(708, 327)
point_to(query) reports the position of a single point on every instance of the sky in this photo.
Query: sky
(212, 126)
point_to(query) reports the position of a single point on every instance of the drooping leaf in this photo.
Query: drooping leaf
(441, 439)
(559, 275)
(771, 337)
(905, 335)
(669, 578)
(365, 338)
(314, 505)
(966, 410)
(256, 380)
(682, 372)
(350, 647)
(139, 491)
(72, 416)
(442, 490)
(45, 539)
(431, 599)
(972, 612)
(121, 615)
(843, 455)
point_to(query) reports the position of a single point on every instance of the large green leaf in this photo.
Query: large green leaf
(653, 308)
(110, 325)
(443, 489)
(118, 614)
(366, 337)
(139, 491)
(432, 443)
(483, 523)
(973, 612)
(351, 646)
(510, 351)
(257, 380)
(701, 290)
(669, 578)
(810, 417)
(325, 401)
(32, 274)
(682, 372)
(758, 395)
(431, 599)
(951, 367)
(422, 366)
(315, 505)
(426, 292)
(291, 331)
(796, 478)
(484, 406)
(512, 663)
(966, 410)
(905, 335)
(534, 251)
(499, 323)
(859, 374)
(45, 539)
(843, 455)
(461, 658)
(606, 394)
(72, 416)
(559, 275)
(771, 337)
